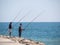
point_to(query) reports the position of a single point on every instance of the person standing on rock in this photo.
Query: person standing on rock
(10, 28)
(20, 29)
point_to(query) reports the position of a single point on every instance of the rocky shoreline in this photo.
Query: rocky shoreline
(22, 40)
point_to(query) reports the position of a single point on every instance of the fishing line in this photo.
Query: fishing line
(23, 17)
(16, 15)
(34, 19)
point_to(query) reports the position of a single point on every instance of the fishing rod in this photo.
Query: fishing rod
(23, 17)
(17, 15)
(33, 20)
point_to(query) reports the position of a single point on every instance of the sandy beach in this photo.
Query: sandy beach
(6, 40)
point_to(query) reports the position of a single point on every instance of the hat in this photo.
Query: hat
(20, 23)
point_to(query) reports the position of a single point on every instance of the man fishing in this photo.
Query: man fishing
(10, 28)
(20, 29)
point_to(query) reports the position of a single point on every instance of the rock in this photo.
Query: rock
(1, 36)
(23, 41)
(41, 43)
(27, 41)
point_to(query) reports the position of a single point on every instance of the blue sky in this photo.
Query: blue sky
(48, 10)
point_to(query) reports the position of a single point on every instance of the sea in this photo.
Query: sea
(46, 32)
